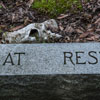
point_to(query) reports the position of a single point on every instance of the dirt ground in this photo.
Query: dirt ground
(81, 26)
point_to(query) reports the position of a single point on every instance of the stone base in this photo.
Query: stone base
(50, 87)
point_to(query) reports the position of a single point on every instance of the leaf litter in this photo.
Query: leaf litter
(81, 26)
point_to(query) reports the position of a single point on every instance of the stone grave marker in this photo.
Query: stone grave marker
(62, 71)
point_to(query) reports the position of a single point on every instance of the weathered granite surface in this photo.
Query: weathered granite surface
(34, 59)
(50, 87)
(43, 72)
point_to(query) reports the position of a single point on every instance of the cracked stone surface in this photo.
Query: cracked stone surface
(32, 33)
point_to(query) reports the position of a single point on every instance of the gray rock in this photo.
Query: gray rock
(32, 33)
(39, 59)
(42, 74)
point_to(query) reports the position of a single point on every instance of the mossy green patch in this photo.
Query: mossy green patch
(1, 31)
(56, 7)
(0, 6)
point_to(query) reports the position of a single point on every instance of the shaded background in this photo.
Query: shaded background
(50, 87)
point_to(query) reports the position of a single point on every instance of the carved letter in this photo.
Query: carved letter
(19, 57)
(77, 58)
(90, 54)
(69, 57)
(10, 61)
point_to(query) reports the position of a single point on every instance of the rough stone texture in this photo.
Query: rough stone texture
(50, 87)
(49, 59)
(39, 77)
(32, 33)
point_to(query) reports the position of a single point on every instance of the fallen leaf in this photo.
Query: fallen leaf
(84, 35)
(2, 5)
(79, 31)
(97, 30)
(62, 16)
(16, 28)
(2, 26)
(61, 28)
(93, 38)
(69, 29)
(97, 21)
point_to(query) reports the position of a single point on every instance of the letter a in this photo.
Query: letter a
(10, 61)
